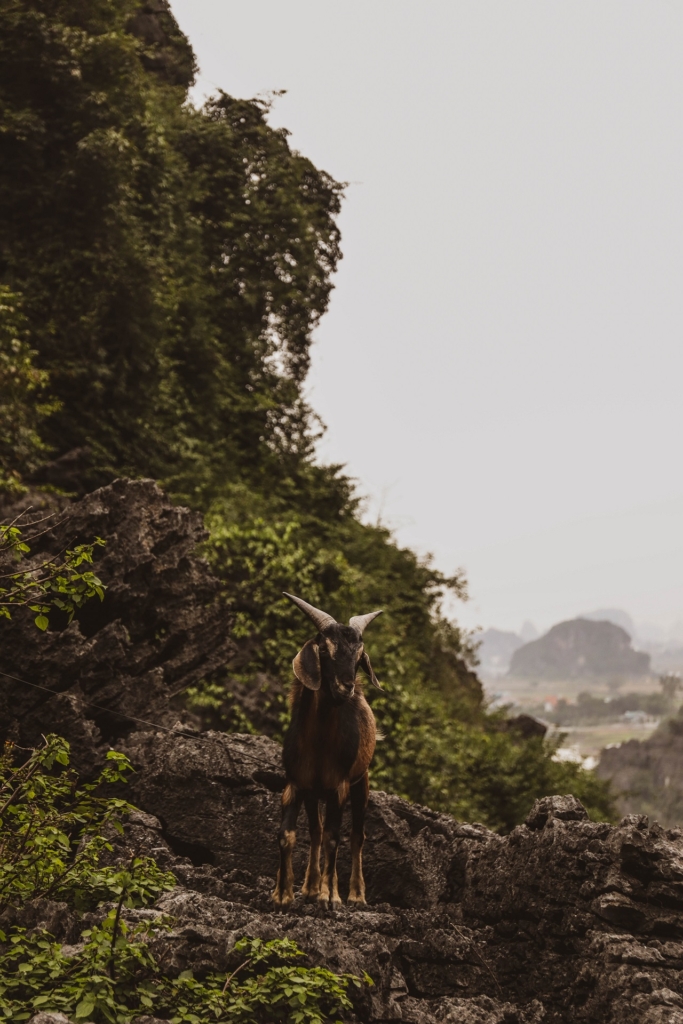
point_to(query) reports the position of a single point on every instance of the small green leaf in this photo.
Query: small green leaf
(42, 621)
(85, 1007)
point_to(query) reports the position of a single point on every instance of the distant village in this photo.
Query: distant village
(608, 695)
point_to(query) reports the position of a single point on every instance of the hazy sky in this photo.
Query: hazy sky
(501, 366)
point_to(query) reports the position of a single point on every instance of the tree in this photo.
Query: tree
(22, 398)
(670, 684)
(173, 261)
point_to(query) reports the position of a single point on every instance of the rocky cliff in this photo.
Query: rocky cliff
(160, 628)
(562, 920)
(647, 775)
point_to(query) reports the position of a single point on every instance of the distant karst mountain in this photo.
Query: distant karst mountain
(616, 615)
(580, 649)
(495, 650)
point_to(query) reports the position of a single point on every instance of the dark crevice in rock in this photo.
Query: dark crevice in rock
(196, 852)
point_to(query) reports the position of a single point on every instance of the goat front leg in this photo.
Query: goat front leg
(329, 891)
(311, 886)
(359, 802)
(291, 805)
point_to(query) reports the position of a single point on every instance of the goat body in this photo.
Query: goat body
(328, 747)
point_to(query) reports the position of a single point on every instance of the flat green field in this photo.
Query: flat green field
(527, 694)
(588, 740)
(582, 741)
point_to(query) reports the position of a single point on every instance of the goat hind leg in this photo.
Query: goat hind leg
(359, 803)
(284, 885)
(311, 886)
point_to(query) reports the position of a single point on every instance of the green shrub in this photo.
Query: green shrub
(62, 584)
(53, 843)
(53, 833)
(23, 405)
(115, 977)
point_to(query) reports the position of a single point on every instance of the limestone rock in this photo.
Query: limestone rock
(49, 1018)
(160, 628)
(564, 919)
(648, 774)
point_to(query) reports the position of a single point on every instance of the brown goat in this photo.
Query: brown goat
(327, 750)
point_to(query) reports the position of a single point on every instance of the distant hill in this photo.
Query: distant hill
(495, 651)
(615, 615)
(580, 649)
(666, 657)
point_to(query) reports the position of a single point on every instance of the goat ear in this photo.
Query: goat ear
(306, 665)
(364, 663)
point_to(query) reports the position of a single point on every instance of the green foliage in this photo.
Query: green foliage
(52, 833)
(338, 564)
(99, 982)
(478, 770)
(591, 710)
(114, 977)
(342, 566)
(271, 988)
(22, 405)
(53, 838)
(60, 584)
(173, 261)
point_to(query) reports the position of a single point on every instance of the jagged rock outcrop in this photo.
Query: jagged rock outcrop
(647, 775)
(563, 920)
(580, 649)
(167, 50)
(161, 627)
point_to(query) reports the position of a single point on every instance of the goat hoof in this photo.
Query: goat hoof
(358, 900)
(282, 899)
(311, 888)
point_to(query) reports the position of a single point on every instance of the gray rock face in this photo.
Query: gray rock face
(161, 626)
(648, 774)
(580, 649)
(49, 1018)
(563, 920)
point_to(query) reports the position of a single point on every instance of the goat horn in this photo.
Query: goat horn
(321, 619)
(359, 622)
